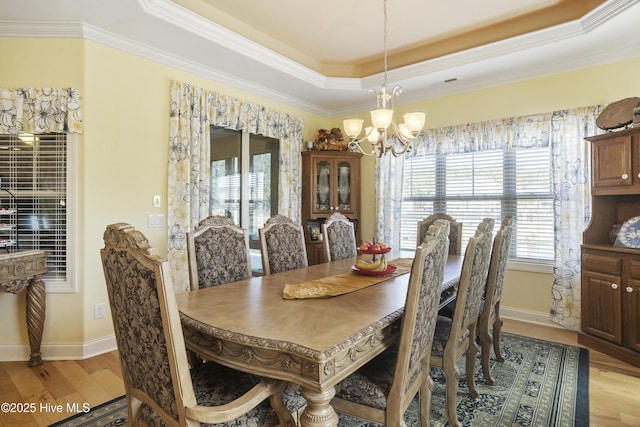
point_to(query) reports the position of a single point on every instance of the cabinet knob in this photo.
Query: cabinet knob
(629, 289)
(625, 176)
(614, 286)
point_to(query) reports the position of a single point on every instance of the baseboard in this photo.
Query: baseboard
(535, 317)
(80, 351)
(71, 351)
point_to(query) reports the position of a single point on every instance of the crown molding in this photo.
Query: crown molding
(421, 81)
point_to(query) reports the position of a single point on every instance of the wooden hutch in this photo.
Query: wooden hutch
(611, 273)
(330, 183)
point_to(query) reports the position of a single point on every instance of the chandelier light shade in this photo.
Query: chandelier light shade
(384, 134)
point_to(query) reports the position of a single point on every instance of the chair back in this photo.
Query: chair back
(339, 238)
(147, 325)
(497, 268)
(282, 245)
(473, 278)
(420, 314)
(455, 231)
(218, 253)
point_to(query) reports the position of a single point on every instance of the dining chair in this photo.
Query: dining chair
(455, 233)
(160, 387)
(456, 336)
(282, 245)
(339, 238)
(490, 307)
(381, 390)
(218, 253)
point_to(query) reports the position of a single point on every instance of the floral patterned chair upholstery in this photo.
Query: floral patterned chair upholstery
(490, 308)
(282, 245)
(455, 236)
(160, 387)
(339, 238)
(456, 336)
(218, 253)
(381, 391)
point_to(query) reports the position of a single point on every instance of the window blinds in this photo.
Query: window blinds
(475, 185)
(34, 169)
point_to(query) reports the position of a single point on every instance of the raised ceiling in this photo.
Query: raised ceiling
(345, 38)
(323, 56)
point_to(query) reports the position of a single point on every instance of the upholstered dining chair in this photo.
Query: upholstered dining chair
(339, 238)
(282, 245)
(455, 233)
(381, 390)
(218, 252)
(456, 336)
(160, 387)
(490, 323)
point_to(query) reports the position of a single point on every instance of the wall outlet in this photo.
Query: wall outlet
(99, 310)
(156, 221)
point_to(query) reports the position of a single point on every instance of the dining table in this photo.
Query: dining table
(314, 342)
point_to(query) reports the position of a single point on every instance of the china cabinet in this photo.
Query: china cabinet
(330, 183)
(611, 271)
(8, 222)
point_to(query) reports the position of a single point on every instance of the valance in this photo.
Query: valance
(530, 131)
(40, 110)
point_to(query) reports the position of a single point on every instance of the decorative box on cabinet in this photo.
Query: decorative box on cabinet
(611, 274)
(330, 183)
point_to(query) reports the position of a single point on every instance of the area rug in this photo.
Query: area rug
(540, 383)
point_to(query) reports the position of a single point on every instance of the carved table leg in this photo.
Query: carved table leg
(35, 318)
(319, 412)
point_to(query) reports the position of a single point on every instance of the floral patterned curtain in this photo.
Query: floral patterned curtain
(193, 111)
(388, 199)
(572, 206)
(565, 131)
(40, 110)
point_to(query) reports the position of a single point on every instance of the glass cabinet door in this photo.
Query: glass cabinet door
(344, 186)
(323, 186)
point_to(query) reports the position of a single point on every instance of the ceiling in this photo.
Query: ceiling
(324, 56)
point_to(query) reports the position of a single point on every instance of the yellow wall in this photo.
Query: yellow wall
(596, 85)
(122, 156)
(122, 163)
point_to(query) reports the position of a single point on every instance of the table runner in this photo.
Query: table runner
(342, 283)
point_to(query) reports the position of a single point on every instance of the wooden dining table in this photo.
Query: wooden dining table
(315, 342)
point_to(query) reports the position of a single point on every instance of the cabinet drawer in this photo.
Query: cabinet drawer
(633, 268)
(603, 264)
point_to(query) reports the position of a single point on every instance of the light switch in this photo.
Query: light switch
(156, 201)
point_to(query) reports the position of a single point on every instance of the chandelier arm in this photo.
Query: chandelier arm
(355, 145)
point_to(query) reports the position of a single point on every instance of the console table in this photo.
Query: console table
(23, 270)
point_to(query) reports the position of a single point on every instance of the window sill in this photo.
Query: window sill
(533, 267)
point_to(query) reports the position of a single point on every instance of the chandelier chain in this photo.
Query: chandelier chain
(385, 42)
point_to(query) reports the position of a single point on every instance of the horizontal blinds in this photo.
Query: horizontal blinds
(473, 186)
(34, 169)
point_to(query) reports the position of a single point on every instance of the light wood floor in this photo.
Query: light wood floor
(614, 386)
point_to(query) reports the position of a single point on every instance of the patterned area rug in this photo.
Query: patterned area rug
(540, 384)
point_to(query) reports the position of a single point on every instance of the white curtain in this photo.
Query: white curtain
(572, 206)
(193, 111)
(388, 199)
(565, 130)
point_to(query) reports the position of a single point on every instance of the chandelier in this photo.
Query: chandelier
(384, 134)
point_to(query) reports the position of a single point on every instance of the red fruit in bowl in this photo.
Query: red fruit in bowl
(375, 247)
(365, 246)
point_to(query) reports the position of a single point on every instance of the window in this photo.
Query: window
(244, 181)
(34, 169)
(472, 186)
